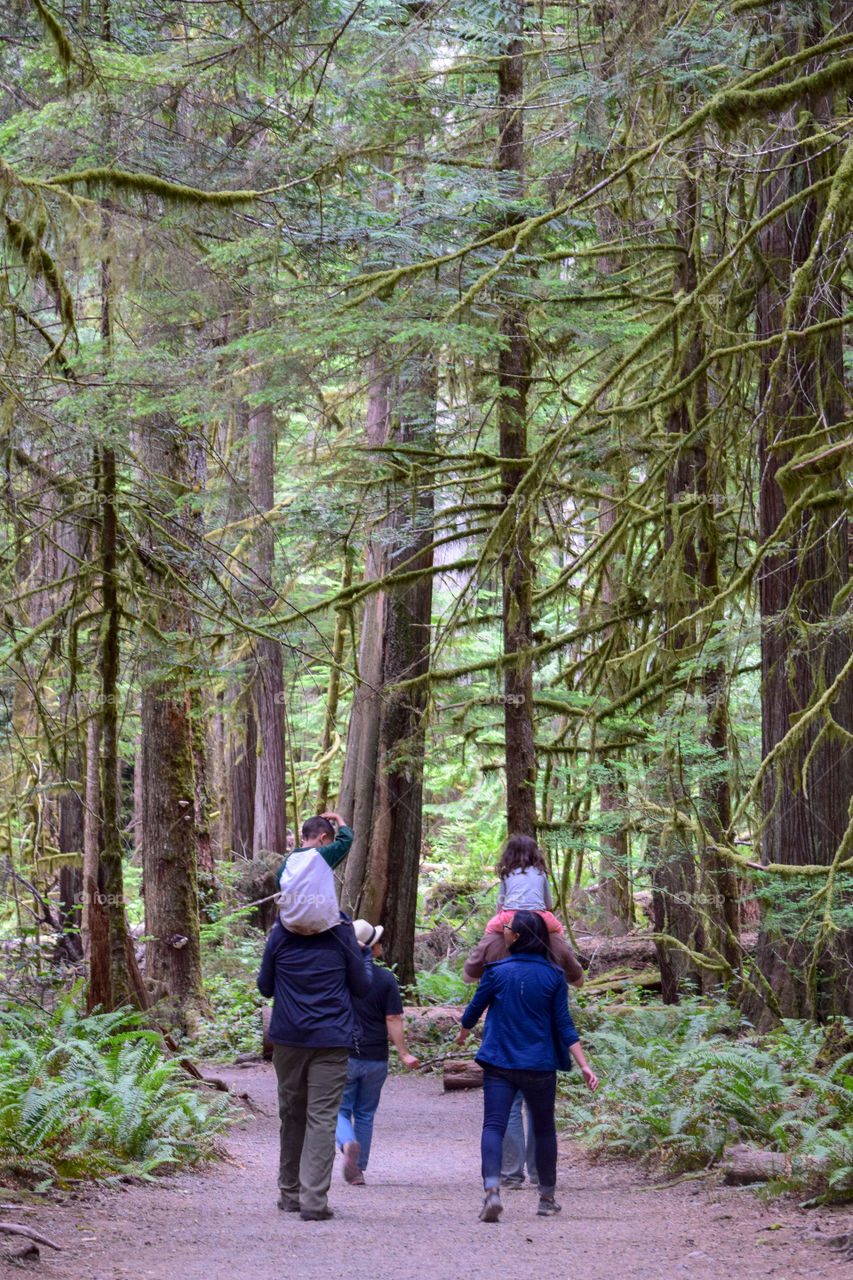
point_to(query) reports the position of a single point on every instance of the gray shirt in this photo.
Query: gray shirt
(526, 890)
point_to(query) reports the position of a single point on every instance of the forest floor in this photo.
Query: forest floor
(417, 1215)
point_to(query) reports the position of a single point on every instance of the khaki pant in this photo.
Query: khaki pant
(310, 1087)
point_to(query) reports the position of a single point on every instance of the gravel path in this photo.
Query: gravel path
(417, 1217)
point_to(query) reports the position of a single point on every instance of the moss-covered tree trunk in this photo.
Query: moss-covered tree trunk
(242, 769)
(806, 632)
(271, 787)
(239, 756)
(327, 743)
(112, 879)
(390, 892)
(675, 869)
(358, 781)
(514, 361)
(170, 876)
(614, 880)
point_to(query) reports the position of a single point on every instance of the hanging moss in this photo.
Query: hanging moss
(57, 35)
(40, 263)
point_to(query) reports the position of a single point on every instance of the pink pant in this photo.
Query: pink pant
(497, 922)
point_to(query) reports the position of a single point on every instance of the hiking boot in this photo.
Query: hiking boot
(351, 1150)
(512, 1184)
(547, 1206)
(288, 1205)
(316, 1215)
(358, 1180)
(492, 1207)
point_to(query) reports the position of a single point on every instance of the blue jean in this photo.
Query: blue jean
(539, 1089)
(516, 1150)
(365, 1079)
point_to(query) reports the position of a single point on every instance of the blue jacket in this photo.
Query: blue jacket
(312, 979)
(528, 1025)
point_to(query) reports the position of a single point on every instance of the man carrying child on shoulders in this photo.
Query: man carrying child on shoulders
(312, 966)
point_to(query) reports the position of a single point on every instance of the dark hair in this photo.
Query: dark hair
(520, 852)
(532, 933)
(318, 826)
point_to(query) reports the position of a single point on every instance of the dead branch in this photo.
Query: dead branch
(16, 1229)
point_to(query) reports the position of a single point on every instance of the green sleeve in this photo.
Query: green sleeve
(332, 853)
(336, 851)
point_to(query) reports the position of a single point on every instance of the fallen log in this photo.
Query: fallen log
(634, 951)
(741, 1165)
(462, 1073)
(625, 979)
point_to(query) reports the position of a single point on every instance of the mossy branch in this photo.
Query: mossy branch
(123, 180)
(736, 105)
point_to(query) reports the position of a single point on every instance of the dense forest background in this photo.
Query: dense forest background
(440, 413)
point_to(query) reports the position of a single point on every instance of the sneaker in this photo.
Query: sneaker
(316, 1215)
(512, 1184)
(492, 1207)
(287, 1205)
(358, 1180)
(351, 1150)
(547, 1206)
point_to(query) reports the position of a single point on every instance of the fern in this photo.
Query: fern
(94, 1097)
(675, 1093)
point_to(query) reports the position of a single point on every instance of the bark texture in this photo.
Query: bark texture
(270, 815)
(170, 876)
(514, 361)
(805, 618)
(390, 894)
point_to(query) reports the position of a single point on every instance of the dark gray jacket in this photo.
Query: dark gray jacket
(312, 979)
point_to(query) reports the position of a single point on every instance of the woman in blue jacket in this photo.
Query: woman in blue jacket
(529, 1036)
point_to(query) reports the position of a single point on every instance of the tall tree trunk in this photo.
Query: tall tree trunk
(675, 870)
(805, 617)
(242, 756)
(358, 782)
(199, 702)
(121, 984)
(71, 841)
(271, 784)
(333, 689)
(170, 878)
(390, 893)
(92, 830)
(514, 361)
(695, 892)
(614, 896)
(719, 880)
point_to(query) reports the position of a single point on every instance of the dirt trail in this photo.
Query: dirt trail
(417, 1217)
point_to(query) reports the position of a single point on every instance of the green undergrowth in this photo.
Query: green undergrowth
(680, 1085)
(231, 1021)
(441, 985)
(95, 1098)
